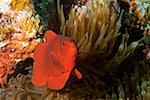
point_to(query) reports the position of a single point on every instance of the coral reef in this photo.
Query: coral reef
(18, 35)
(113, 58)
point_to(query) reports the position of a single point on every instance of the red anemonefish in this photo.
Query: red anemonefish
(54, 59)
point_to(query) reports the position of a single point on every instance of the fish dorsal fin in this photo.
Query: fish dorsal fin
(49, 35)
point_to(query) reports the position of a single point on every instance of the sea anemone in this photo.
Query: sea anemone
(20, 87)
(102, 48)
(92, 27)
(95, 28)
(30, 92)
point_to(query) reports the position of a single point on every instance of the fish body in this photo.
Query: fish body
(54, 59)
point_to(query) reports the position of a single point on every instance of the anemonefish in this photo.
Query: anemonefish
(54, 59)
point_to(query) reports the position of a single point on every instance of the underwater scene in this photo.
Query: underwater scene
(74, 49)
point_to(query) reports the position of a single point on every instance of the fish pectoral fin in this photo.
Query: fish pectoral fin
(55, 66)
(49, 35)
(77, 73)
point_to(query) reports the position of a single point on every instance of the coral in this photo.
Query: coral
(18, 35)
(19, 4)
